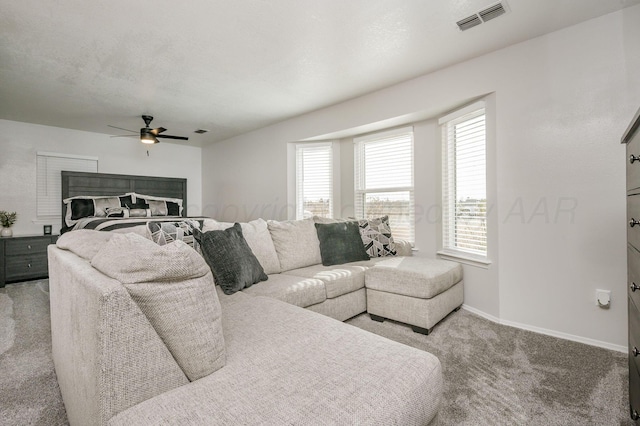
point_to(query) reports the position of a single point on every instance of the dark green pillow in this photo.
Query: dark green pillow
(340, 243)
(233, 264)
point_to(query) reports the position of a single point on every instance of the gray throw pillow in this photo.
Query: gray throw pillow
(232, 262)
(340, 243)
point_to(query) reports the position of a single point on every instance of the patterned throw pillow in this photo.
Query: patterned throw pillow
(377, 238)
(167, 232)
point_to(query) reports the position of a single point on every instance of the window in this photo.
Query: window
(384, 179)
(314, 180)
(464, 182)
(49, 179)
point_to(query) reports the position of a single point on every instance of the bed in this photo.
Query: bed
(107, 202)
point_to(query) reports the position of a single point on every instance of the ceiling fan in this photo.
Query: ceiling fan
(147, 134)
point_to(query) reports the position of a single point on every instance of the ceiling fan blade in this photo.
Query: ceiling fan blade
(158, 130)
(120, 128)
(181, 138)
(124, 136)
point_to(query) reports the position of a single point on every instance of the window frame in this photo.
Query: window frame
(298, 200)
(448, 250)
(360, 191)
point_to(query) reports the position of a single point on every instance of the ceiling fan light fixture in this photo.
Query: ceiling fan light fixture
(147, 138)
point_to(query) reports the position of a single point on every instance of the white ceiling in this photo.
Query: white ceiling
(232, 66)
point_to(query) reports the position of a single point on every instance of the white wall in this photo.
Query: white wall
(562, 102)
(19, 143)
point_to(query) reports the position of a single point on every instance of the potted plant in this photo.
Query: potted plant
(7, 220)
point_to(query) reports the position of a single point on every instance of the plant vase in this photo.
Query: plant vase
(6, 232)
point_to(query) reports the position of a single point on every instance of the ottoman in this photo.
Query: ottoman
(413, 290)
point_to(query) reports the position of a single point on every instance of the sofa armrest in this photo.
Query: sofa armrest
(403, 247)
(106, 354)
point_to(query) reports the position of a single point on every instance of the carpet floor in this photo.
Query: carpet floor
(494, 374)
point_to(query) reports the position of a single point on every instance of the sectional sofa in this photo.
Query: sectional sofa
(141, 335)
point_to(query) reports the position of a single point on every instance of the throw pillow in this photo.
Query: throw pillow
(377, 238)
(158, 207)
(104, 203)
(228, 255)
(340, 243)
(167, 232)
(296, 242)
(259, 239)
(117, 212)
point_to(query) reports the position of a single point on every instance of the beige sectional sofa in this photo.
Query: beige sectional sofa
(132, 347)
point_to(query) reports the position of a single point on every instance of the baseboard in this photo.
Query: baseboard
(553, 333)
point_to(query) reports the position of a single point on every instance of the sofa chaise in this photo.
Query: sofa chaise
(140, 336)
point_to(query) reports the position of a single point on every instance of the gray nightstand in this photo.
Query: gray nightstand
(24, 258)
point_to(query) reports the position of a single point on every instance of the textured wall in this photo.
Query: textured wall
(561, 103)
(19, 143)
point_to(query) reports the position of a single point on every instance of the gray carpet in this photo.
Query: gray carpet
(494, 374)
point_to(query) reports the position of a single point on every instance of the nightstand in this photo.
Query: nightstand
(24, 258)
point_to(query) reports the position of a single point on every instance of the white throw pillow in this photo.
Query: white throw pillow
(296, 243)
(258, 238)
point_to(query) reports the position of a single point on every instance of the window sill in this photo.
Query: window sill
(465, 258)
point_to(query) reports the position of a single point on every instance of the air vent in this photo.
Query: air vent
(469, 22)
(484, 15)
(492, 12)
(200, 131)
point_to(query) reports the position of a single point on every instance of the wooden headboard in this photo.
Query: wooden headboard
(83, 183)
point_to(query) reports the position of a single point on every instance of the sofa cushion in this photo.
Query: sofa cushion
(85, 243)
(338, 280)
(412, 276)
(296, 243)
(340, 243)
(232, 262)
(290, 366)
(131, 258)
(259, 239)
(297, 291)
(182, 306)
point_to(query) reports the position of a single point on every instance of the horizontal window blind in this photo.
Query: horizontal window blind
(384, 179)
(49, 179)
(314, 181)
(464, 188)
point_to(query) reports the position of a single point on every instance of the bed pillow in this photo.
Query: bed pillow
(117, 212)
(259, 239)
(174, 289)
(228, 255)
(167, 232)
(128, 201)
(140, 213)
(340, 243)
(158, 207)
(376, 237)
(104, 203)
(77, 208)
(171, 204)
(296, 242)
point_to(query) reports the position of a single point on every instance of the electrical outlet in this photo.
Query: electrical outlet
(603, 298)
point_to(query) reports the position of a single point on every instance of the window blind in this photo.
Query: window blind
(384, 179)
(314, 180)
(464, 188)
(49, 179)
